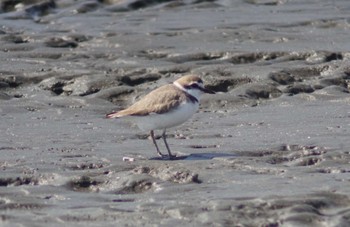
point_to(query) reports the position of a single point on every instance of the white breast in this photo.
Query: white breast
(167, 120)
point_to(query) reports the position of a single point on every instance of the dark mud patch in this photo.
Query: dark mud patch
(116, 95)
(309, 79)
(54, 85)
(305, 73)
(69, 156)
(18, 181)
(22, 206)
(87, 7)
(309, 161)
(333, 57)
(299, 88)
(299, 155)
(14, 38)
(14, 80)
(342, 81)
(290, 154)
(136, 184)
(224, 80)
(168, 173)
(332, 170)
(84, 183)
(133, 78)
(314, 210)
(68, 41)
(267, 91)
(90, 218)
(87, 166)
(122, 6)
(266, 57)
(225, 57)
(283, 78)
(34, 10)
(58, 42)
(248, 58)
(311, 209)
(123, 200)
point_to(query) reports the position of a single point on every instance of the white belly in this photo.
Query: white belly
(167, 120)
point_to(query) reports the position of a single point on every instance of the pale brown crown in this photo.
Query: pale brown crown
(189, 79)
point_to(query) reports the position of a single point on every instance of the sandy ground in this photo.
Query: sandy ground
(271, 148)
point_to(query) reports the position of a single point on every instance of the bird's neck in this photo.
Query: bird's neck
(193, 94)
(178, 85)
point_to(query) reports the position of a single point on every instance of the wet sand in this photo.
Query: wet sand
(271, 148)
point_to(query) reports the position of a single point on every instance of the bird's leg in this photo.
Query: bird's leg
(166, 145)
(155, 143)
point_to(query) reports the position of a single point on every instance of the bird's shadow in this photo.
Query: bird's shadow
(194, 157)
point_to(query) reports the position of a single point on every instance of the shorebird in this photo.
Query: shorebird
(165, 107)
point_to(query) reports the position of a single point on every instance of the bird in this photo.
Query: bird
(165, 107)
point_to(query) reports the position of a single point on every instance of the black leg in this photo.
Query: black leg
(155, 143)
(166, 145)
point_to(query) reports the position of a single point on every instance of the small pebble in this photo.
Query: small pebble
(128, 159)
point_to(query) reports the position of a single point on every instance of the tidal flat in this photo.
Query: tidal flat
(270, 148)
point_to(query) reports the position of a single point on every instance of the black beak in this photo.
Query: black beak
(205, 90)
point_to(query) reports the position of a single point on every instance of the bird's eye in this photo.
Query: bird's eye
(194, 85)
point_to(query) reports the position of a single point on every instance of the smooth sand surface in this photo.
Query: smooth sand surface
(271, 148)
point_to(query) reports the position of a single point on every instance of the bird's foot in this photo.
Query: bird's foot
(170, 157)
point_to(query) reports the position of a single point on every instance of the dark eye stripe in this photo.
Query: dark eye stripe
(194, 86)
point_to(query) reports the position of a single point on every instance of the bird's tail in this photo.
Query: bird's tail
(122, 113)
(113, 115)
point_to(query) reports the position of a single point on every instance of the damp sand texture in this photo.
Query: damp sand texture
(271, 148)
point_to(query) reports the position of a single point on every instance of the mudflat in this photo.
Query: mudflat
(271, 148)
